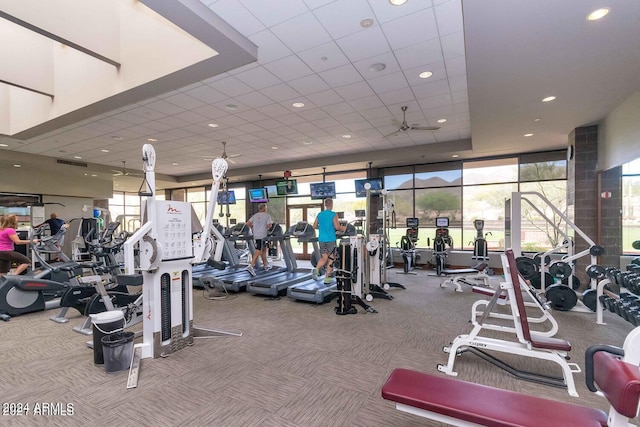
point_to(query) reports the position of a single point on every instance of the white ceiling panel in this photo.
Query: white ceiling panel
(301, 33)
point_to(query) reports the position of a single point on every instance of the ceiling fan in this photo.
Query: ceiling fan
(124, 171)
(227, 157)
(404, 127)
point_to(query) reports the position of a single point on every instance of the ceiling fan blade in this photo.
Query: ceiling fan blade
(393, 133)
(233, 155)
(230, 160)
(424, 127)
(396, 123)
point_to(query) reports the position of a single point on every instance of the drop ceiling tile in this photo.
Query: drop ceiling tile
(280, 93)
(231, 87)
(309, 84)
(270, 48)
(238, 16)
(164, 107)
(190, 117)
(274, 110)
(388, 59)
(324, 57)
(364, 44)
(459, 96)
(366, 102)
(289, 68)
(398, 96)
(258, 78)
(325, 98)
(342, 18)
(437, 68)
(420, 54)
(341, 76)
(327, 123)
(456, 66)
(411, 29)
(453, 45)
(356, 90)
(273, 12)
(184, 101)
(302, 32)
(206, 94)
(431, 88)
(376, 113)
(458, 82)
(390, 82)
(255, 99)
(211, 112)
(435, 101)
(449, 17)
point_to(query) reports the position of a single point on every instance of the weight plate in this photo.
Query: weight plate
(527, 267)
(561, 297)
(589, 298)
(560, 269)
(548, 281)
(595, 271)
(575, 282)
(596, 250)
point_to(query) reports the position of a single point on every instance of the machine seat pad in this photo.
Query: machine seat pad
(484, 405)
(619, 382)
(476, 269)
(549, 343)
(486, 292)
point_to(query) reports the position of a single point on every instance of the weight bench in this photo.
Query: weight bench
(474, 276)
(539, 345)
(464, 403)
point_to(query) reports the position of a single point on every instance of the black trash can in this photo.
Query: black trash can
(118, 351)
(104, 324)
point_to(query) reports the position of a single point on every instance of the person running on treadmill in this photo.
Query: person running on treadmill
(327, 224)
(55, 224)
(260, 224)
(8, 239)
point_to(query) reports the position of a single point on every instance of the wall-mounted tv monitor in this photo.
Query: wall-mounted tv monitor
(286, 187)
(258, 195)
(442, 222)
(227, 197)
(376, 186)
(323, 190)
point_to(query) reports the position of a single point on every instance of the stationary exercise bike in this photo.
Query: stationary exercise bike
(408, 245)
(442, 242)
(39, 288)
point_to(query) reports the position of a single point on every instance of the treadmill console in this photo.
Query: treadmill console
(303, 230)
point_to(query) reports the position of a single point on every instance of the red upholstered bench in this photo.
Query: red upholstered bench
(449, 400)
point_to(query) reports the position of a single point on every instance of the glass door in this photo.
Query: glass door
(296, 213)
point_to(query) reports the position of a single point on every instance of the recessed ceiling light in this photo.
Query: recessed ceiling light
(307, 142)
(324, 58)
(298, 105)
(117, 138)
(175, 164)
(378, 67)
(213, 125)
(231, 107)
(598, 14)
(3, 145)
(536, 120)
(455, 155)
(94, 175)
(346, 136)
(425, 74)
(442, 120)
(77, 157)
(397, 2)
(152, 140)
(104, 150)
(548, 99)
(17, 166)
(366, 23)
(527, 135)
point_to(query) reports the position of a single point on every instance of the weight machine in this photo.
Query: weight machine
(166, 250)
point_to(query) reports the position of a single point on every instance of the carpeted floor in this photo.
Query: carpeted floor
(296, 364)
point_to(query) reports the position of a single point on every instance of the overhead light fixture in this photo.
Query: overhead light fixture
(4, 145)
(442, 120)
(213, 125)
(455, 155)
(231, 107)
(598, 14)
(366, 23)
(425, 74)
(175, 164)
(548, 99)
(17, 166)
(307, 142)
(77, 157)
(116, 138)
(273, 147)
(104, 150)
(298, 105)
(377, 67)
(397, 2)
(527, 135)
(346, 136)
(536, 119)
(152, 140)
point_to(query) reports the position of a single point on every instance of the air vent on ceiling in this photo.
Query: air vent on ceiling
(71, 163)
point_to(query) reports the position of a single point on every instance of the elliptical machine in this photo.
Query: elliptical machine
(408, 245)
(480, 247)
(442, 242)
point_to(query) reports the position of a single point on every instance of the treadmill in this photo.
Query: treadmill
(236, 281)
(229, 256)
(311, 290)
(276, 285)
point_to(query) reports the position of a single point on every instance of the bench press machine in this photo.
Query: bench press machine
(610, 372)
(474, 276)
(531, 344)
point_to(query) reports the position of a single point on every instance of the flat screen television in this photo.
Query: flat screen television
(323, 190)
(227, 197)
(376, 186)
(442, 222)
(258, 195)
(286, 187)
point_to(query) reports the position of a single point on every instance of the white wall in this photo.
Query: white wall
(620, 135)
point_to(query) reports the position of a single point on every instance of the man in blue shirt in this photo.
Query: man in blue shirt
(327, 224)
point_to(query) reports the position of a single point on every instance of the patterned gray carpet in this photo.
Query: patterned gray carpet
(296, 364)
